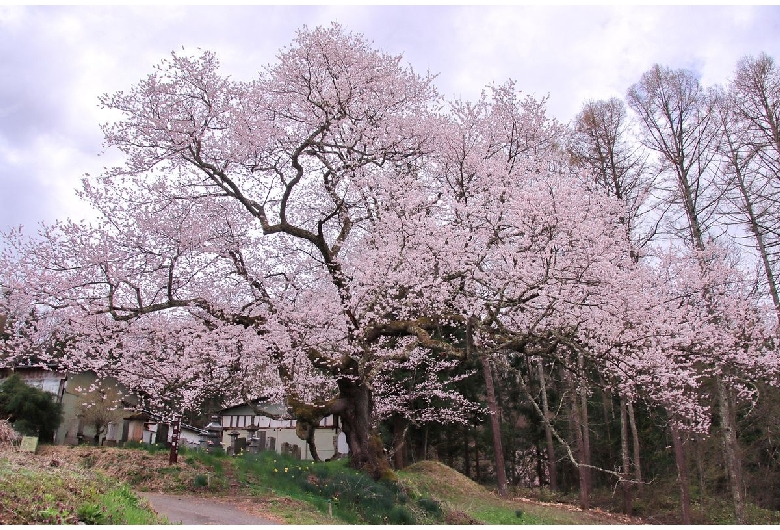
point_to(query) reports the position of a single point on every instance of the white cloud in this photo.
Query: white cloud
(56, 61)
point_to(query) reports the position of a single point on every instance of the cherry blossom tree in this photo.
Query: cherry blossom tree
(325, 230)
(223, 242)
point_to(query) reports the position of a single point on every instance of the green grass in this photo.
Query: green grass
(58, 496)
(119, 504)
(333, 488)
(504, 515)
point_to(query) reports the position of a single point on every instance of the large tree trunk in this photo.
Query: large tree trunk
(355, 405)
(312, 445)
(682, 475)
(731, 451)
(552, 467)
(496, 426)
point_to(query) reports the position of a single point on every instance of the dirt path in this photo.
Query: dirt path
(187, 509)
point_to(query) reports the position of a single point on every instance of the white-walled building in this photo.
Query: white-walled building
(276, 424)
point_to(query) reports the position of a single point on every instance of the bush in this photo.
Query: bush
(8, 436)
(32, 411)
(400, 515)
(429, 505)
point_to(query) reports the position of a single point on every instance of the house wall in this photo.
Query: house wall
(71, 426)
(326, 436)
(73, 396)
(187, 437)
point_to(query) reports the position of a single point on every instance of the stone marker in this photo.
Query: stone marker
(29, 444)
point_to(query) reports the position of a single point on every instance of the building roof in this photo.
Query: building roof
(264, 408)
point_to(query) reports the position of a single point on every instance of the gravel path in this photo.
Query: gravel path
(187, 509)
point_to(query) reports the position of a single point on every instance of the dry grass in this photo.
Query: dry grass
(8, 436)
(143, 470)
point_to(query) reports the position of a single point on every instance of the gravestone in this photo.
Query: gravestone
(162, 435)
(125, 430)
(112, 433)
(29, 444)
(262, 443)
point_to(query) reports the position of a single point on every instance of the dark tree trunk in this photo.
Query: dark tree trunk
(585, 425)
(699, 453)
(477, 472)
(682, 475)
(581, 471)
(635, 440)
(552, 467)
(466, 452)
(576, 426)
(496, 427)
(399, 442)
(539, 464)
(354, 406)
(609, 416)
(312, 445)
(731, 450)
(173, 455)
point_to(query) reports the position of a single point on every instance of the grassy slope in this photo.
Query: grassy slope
(35, 490)
(465, 499)
(255, 487)
(429, 492)
(63, 480)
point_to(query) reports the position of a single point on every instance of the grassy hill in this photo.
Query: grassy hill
(466, 501)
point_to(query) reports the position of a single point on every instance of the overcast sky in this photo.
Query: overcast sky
(56, 61)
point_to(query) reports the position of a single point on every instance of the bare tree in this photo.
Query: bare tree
(680, 125)
(602, 142)
(676, 114)
(749, 117)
